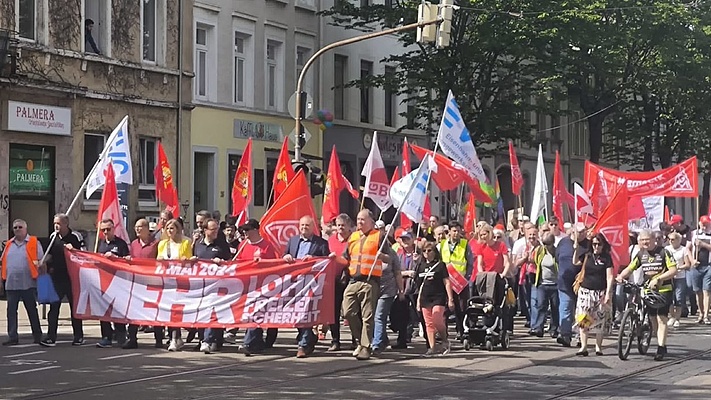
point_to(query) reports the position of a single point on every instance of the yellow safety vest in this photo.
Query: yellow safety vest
(458, 258)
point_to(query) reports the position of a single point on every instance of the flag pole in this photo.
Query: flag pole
(74, 202)
(96, 242)
(698, 216)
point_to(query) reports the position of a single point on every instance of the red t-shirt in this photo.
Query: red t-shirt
(248, 251)
(493, 256)
(336, 246)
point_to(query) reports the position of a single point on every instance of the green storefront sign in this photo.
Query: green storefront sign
(35, 182)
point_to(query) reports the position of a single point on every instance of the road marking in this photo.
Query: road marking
(25, 354)
(24, 346)
(120, 356)
(32, 370)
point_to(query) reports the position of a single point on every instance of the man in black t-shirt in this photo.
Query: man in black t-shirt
(211, 247)
(57, 269)
(111, 246)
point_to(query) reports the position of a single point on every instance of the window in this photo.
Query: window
(146, 165)
(26, 22)
(390, 97)
(579, 139)
(201, 62)
(302, 55)
(240, 67)
(340, 75)
(366, 70)
(274, 78)
(269, 176)
(93, 146)
(149, 30)
(258, 187)
(99, 12)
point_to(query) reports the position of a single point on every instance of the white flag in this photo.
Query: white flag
(413, 205)
(583, 205)
(455, 141)
(377, 184)
(118, 152)
(539, 208)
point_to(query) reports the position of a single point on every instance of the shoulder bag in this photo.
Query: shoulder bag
(580, 276)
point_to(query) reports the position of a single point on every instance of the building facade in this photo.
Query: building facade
(69, 73)
(246, 59)
(360, 111)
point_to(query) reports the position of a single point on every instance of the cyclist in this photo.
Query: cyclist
(659, 268)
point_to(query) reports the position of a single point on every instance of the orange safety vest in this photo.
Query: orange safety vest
(31, 248)
(363, 250)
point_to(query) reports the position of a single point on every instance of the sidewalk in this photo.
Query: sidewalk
(65, 324)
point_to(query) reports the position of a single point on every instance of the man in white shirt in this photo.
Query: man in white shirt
(554, 225)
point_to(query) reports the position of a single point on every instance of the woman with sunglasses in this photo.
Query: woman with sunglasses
(682, 256)
(492, 255)
(174, 247)
(435, 293)
(595, 294)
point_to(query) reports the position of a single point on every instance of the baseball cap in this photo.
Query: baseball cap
(704, 219)
(404, 233)
(676, 219)
(379, 224)
(499, 227)
(252, 224)
(580, 227)
(567, 225)
(524, 218)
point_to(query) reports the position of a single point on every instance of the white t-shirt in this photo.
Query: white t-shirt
(559, 238)
(679, 256)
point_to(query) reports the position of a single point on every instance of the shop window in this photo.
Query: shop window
(146, 165)
(31, 170)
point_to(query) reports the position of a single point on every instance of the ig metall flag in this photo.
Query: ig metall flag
(117, 152)
(409, 193)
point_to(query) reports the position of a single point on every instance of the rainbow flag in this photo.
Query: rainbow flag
(495, 193)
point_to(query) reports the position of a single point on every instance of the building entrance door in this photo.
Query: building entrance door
(31, 189)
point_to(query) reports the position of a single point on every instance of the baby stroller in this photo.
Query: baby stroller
(488, 319)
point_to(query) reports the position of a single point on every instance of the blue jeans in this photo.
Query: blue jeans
(680, 290)
(214, 335)
(29, 299)
(542, 297)
(306, 337)
(382, 311)
(254, 339)
(566, 310)
(701, 278)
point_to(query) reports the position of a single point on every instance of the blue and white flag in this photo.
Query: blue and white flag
(116, 151)
(409, 192)
(455, 141)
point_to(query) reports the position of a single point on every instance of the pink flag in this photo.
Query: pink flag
(377, 184)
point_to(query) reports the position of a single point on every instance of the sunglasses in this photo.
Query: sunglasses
(497, 236)
(428, 251)
(17, 227)
(596, 244)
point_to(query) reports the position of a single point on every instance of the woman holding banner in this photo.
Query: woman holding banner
(174, 247)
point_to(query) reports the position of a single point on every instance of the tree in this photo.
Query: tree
(487, 66)
(600, 50)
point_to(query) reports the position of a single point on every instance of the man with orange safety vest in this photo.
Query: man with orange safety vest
(365, 255)
(20, 269)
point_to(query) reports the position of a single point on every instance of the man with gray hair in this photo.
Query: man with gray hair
(20, 269)
(57, 268)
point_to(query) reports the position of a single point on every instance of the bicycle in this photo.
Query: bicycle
(635, 323)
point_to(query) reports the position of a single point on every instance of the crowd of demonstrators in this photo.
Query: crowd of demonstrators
(399, 279)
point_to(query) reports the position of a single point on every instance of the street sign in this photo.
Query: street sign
(304, 113)
(307, 135)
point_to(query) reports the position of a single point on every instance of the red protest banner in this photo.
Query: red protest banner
(202, 294)
(456, 279)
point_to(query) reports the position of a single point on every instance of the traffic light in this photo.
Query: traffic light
(445, 27)
(426, 12)
(313, 173)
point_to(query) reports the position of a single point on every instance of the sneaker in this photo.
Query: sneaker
(707, 321)
(230, 337)
(676, 324)
(399, 346)
(48, 343)
(446, 347)
(205, 348)
(671, 322)
(213, 347)
(334, 347)
(78, 342)
(357, 350)
(430, 353)
(130, 344)
(364, 353)
(104, 343)
(562, 340)
(179, 343)
(376, 351)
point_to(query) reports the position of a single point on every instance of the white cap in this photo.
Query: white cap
(524, 218)
(380, 224)
(567, 225)
(580, 227)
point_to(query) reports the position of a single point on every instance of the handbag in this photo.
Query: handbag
(580, 276)
(46, 294)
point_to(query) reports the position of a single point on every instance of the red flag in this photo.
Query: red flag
(612, 223)
(242, 185)
(281, 221)
(165, 188)
(470, 216)
(450, 175)
(427, 209)
(516, 177)
(635, 208)
(405, 222)
(558, 188)
(335, 183)
(667, 216)
(109, 207)
(284, 172)
(376, 187)
(396, 176)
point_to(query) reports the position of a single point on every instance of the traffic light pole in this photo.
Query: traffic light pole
(300, 82)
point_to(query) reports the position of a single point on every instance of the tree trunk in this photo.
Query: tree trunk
(703, 208)
(595, 131)
(648, 153)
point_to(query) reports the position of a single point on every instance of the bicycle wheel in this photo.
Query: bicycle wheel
(644, 336)
(626, 335)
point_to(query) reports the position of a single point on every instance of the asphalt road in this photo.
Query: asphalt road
(532, 369)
